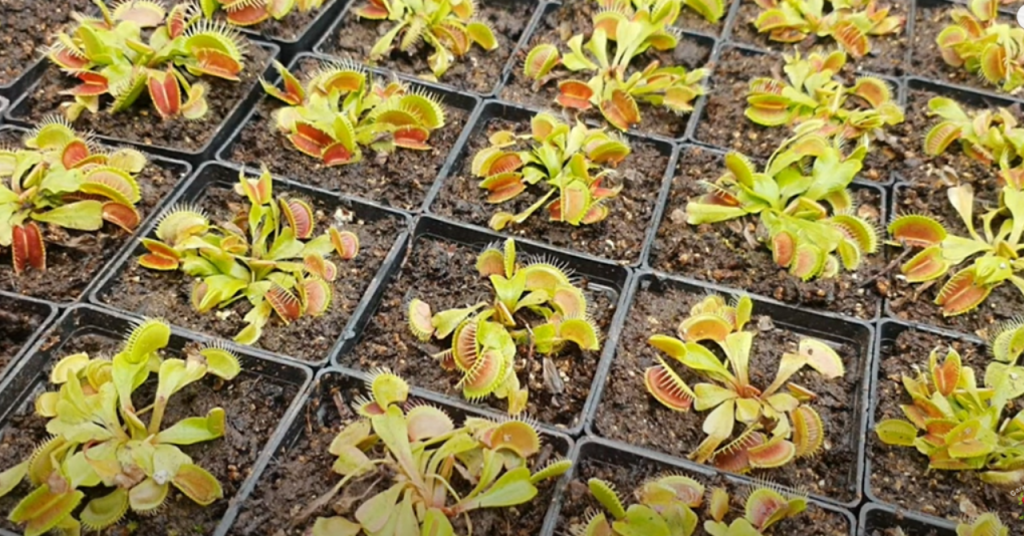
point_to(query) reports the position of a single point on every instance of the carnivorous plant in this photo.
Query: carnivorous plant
(535, 305)
(139, 46)
(557, 157)
(100, 440)
(984, 46)
(340, 110)
(252, 12)
(64, 180)
(267, 255)
(990, 136)
(426, 456)
(634, 27)
(850, 22)
(778, 426)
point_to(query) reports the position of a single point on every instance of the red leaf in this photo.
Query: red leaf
(74, 153)
(336, 155)
(123, 216)
(310, 140)
(961, 294)
(216, 63)
(299, 216)
(662, 384)
(165, 92)
(285, 304)
(372, 11)
(247, 13)
(27, 248)
(176, 20)
(92, 84)
(574, 94)
(68, 59)
(412, 137)
(505, 163)
(621, 110)
(158, 262)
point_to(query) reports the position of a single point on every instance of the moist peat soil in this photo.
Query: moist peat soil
(400, 179)
(619, 237)
(290, 28)
(29, 25)
(728, 253)
(19, 323)
(167, 295)
(443, 274)
(253, 405)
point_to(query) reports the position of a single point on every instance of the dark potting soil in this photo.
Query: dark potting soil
(900, 475)
(886, 55)
(915, 302)
(478, 71)
(723, 254)
(141, 124)
(881, 523)
(628, 413)
(301, 473)
(575, 17)
(290, 28)
(28, 27)
(19, 323)
(619, 237)
(926, 61)
(168, 294)
(629, 473)
(254, 405)
(400, 179)
(73, 258)
(723, 124)
(444, 275)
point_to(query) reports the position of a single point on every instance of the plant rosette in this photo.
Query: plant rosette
(304, 292)
(458, 52)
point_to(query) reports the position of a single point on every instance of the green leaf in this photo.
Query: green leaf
(335, 526)
(194, 429)
(435, 523)
(512, 488)
(641, 520)
(375, 513)
(896, 432)
(80, 215)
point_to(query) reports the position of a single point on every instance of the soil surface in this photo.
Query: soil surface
(619, 237)
(899, 475)
(886, 55)
(915, 302)
(19, 320)
(628, 413)
(478, 71)
(444, 275)
(254, 404)
(723, 124)
(721, 252)
(400, 179)
(141, 124)
(575, 17)
(73, 258)
(167, 294)
(926, 60)
(628, 473)
(290, 28)
(28, 27)
(301, 472)
(881, 523)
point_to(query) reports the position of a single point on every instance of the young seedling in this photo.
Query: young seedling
(779, 426)
(811, 92)
(666, 507)
(558, 158)
(990, 136)
(535, 305)
(987, 524)
(252, 12)
(802, 203)
(100, 440)
(996, 254)
(425, 458)
(978, 42)
(634, 27)
(340, 110)
(959, 425)
(850, 22)
(267, 255)
(448, 26)
(140, 47)
(62, 179)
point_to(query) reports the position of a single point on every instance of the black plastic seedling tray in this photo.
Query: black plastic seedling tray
(223, 175)
(16, 114)
(41, 312)
(601, 276)
(344, 380)
(821, 325)
(307, 37)
(875, 517)
(30, 376)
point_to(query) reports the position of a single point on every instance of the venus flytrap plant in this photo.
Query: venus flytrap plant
(62, 179)
(448, 26)
(267, 255)
(252, 12)
(995, 253)
(850, 22)
(634, 27)
(535, 305)
(426, 458)
(990, 136)
(571, 163)
(801, 199)
(140, 47)
(987, 524)
(978, 42)
(778, 426)
(340, 110)
(101, 440)
(810, 91)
